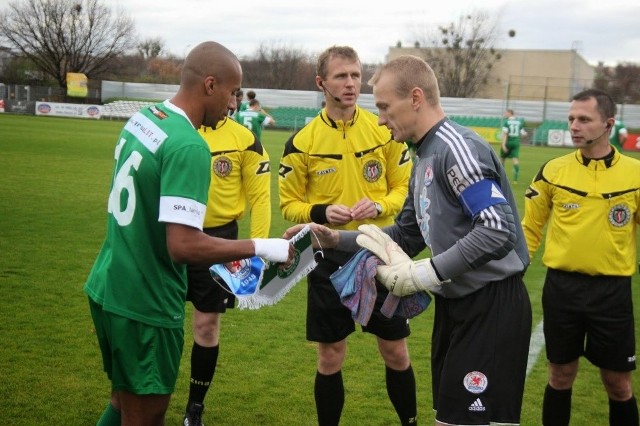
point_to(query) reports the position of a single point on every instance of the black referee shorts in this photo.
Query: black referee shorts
(205, 294)
(591, 316)
(329, 321)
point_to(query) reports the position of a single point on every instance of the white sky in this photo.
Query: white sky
(606, 31)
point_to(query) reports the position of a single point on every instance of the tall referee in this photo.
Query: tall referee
(343, 169)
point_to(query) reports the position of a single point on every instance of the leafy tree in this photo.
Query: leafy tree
(462, 53)
(61, 36)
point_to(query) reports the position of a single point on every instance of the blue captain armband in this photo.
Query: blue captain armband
(481, 195)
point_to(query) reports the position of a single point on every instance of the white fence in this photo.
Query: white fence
(532, 111)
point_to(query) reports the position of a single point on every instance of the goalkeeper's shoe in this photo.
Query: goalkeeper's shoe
(193, 416)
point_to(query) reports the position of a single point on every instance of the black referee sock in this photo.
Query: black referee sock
(401, 388)
(329, 394)
(203, 366)
(623, 413)
(556, 407)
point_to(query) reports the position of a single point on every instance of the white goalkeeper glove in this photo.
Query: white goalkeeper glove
(401, 275)
(272, 249)
(404, 276)
(373, 239)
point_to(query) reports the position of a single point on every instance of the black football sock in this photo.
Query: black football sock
(556, 407)
(329, 394)
(203, 366)
(623, 413)
(401, 388)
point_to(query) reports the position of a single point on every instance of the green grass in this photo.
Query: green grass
(55, 179)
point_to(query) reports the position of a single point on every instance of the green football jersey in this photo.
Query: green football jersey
(614, 137)
(161, 176)
(514, 127)
(252, 120)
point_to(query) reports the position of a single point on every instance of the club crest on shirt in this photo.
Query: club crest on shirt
(428, 175)
(475, 382)
(158, 113)
(222, 166)
(372, 170)
(619, 215)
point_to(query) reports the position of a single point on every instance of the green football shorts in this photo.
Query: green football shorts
(137, 357)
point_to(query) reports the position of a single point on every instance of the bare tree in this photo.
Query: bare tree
(151, 48)
(279, 67)
(62, 36)
(622, 82)
(462, 53)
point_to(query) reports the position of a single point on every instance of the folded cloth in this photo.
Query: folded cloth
(356, 286)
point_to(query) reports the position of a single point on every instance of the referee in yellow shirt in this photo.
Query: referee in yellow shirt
(342, 169)
(591, 201)
(240, 176)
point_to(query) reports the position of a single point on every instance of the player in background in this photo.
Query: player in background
(618, 135)
(137, 286)
(512, 131)
(240, 176)
(342, 169)
(589, 202)
(255, 118)
(239, 102)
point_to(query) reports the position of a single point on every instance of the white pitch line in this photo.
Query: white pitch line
(535, 346)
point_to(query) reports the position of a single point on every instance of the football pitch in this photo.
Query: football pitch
(55, 182)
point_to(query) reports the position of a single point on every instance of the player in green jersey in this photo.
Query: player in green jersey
(512, 131)
(618, 135)
(137, 286)
(255, 118)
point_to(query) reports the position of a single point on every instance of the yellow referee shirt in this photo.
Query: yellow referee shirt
(335, 162)
(593, 212)
(240, 176)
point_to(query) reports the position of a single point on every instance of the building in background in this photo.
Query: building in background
(535, 75)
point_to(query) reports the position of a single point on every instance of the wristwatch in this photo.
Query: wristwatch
(378, 208)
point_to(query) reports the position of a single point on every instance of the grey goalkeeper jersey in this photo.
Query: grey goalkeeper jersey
(460, 205)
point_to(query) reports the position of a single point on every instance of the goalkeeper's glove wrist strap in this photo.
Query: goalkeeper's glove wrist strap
(425, 274)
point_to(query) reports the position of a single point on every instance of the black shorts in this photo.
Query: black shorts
(480, 349)
(205, 294)
(329, 321)
(598, 310)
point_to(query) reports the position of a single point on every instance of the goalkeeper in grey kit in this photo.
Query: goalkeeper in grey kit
(460, 205)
